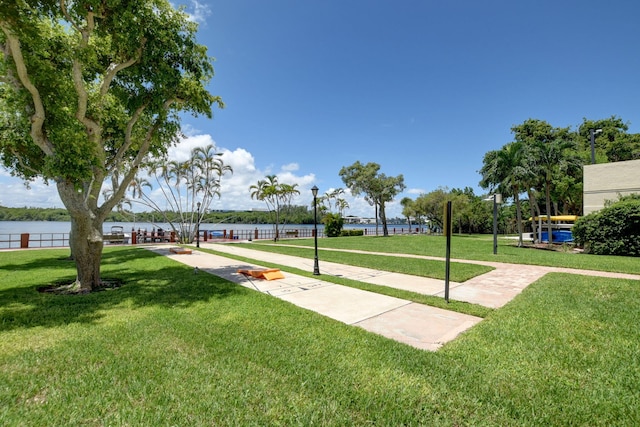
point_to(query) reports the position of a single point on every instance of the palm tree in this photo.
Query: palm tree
(341, 205)
(209, 170)
(508, 170)
(268, 190)
(553, 157)
(208, 162)
(287, 193)
(184, 185)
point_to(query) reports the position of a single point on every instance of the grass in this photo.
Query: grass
(174, 348)
(460, 272)
(474, 247)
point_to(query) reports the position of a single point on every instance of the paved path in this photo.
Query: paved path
(414, 324)
(417, 325)
(493, 289)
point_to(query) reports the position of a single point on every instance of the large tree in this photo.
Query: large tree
(188, 189)
(612, 143)
(431, 206)
(277, 196)
(378, 188)
(554, 153)
(87, 90)
(508, 171)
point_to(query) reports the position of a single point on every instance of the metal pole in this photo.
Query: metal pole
(198, 227)
(447, 265)
(495, 225)
(593, 133)
(593, 146)
(316, 268)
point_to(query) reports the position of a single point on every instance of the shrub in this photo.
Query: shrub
(614, 230)
(332, 224)
(346, 233)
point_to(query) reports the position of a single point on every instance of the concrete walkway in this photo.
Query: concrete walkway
(418, 325)
(493, 289)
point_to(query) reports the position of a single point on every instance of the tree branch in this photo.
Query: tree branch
(142, 153)
(22, 163)
(113, 70)
(67, 15)
(128, 140)
(144, 149)
(93, 128)
(38, 117)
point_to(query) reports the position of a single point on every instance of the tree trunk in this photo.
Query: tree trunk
(383, 218)
(518, 217)
(532, 211)
(71, 257)
(548, 194)
(87, 244)
(85, 237)
(376, 206)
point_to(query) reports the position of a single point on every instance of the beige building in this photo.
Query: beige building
(607, 181)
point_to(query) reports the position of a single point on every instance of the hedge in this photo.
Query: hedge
(614, 230)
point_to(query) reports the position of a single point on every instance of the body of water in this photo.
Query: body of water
(56, 233)
(19, 227)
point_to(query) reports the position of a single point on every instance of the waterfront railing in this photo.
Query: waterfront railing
(33, 240)
(52, 240)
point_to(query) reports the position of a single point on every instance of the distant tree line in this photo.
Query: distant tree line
(471, 213)
(296, 215)
(33, 214)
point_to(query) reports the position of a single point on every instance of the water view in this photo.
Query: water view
(56, 233)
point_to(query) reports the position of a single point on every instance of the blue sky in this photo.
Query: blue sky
(423, 88)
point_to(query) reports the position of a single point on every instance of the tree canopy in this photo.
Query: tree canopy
(377, 188)
(87, 90)
(546, 162)
(276, 195)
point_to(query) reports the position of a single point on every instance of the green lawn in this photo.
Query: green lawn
(474, 247)
(174, 348)
(460, 272)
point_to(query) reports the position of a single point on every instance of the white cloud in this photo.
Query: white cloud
(182, 151)
(197, 12)
(417, 191)
(200, 11)
(235, 194)
(37, 194)
(291, 167)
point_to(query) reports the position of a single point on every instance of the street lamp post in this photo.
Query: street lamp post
(316, 268)
(198, 227)
(495, 225)
(593, 133)
(496, 198)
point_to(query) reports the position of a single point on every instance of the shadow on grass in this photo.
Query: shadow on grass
(148, 280)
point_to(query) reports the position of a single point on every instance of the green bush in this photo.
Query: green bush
(346, 233)
(332, 224)
(614, 230)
